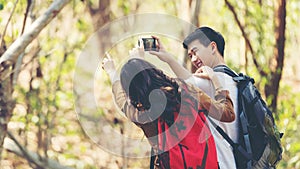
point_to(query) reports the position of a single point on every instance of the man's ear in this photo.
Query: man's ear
(214, 47)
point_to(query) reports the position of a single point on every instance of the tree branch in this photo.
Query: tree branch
(37, 26)
(22, 150)
(25, 15)
(11, 144)
(5, 28)
(242, 28)
(90, 8)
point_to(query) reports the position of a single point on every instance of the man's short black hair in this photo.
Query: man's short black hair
(206, 35)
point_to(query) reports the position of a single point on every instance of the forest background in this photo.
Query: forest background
(41, 42)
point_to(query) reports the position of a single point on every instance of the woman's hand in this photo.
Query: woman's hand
(108, 65)
(205, 72)
(138, 52)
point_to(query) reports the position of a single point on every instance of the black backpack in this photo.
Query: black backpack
(257, 128)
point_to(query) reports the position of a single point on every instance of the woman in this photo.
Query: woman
(171, 113)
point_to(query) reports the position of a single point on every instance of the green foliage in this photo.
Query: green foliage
(125, 6)
(289, 123)
(2, 4)
(82, 25)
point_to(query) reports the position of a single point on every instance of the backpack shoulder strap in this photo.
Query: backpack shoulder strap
(236, 147)
(225, 69)
(152, 159)
(236, 77)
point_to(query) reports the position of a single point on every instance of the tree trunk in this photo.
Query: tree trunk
(272, 88)
(100, 16)
(190, 15)
(6, 104)
(195, 21)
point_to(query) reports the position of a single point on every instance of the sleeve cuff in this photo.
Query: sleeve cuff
(113, 76)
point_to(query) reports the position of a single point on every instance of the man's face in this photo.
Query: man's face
(199, 54)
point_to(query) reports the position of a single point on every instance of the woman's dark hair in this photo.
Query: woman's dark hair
(205, 35)
(139, 78)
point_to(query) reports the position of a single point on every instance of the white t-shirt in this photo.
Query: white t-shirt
(224, 150)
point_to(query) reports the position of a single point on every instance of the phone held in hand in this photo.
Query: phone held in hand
(149, 44)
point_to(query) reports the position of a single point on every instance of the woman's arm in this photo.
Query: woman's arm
(219, 108)
(138, 117)
(141, 119)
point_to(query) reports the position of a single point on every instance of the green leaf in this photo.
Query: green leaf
(1, 6)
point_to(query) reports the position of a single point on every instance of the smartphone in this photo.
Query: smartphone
(149, 44)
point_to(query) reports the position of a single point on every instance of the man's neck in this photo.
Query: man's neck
(219, 64)
(218, 61)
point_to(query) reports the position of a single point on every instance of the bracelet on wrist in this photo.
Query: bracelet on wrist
(219, 88)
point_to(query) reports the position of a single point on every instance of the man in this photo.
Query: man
(146, 121)
(206, 49)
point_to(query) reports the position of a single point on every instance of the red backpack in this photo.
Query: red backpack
(188, 142)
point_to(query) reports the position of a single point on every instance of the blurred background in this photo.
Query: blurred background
(41, 123)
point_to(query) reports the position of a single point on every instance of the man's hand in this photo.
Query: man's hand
(162, 54)
(165, 56)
